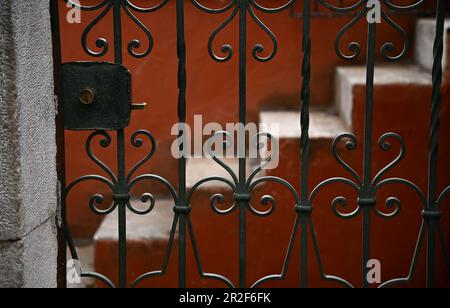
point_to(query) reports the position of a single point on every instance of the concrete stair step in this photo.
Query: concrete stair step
(143, 227)
(325, 124)
(285, 127)
(147, 239)
(425, 33)
(397, 88)
(201, 168)
(392, 83)
(148, 235)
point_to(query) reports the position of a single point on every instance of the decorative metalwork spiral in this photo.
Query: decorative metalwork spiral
(393, 204)
(388, 50)
(367, 191)
(243, 191)
(128, 7)
(218, 199)
(267, 201)
(431, 222)
(235, 7)
(138, 140)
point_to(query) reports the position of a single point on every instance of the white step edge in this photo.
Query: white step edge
(154, 226)
(425, 34)
(349, 77)
(198, 169)
(324, 124)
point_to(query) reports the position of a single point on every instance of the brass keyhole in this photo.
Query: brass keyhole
(87, 96)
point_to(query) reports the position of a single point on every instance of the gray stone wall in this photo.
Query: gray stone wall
(28, 181)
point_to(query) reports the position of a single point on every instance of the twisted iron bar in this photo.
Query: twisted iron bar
(431, 224)
(121, 184)
(304, 208)
(365, 187)
(367, 195)
(182, 207)
(304, 202)
(432, 214)
(241, 184)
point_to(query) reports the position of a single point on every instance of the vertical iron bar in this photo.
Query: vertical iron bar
(368, 134)
(243, 206)
(181, 52)
(122, 185)
(366, 244)
(60, 140)
(434, 142)
(122, 210)
(368, 130)
(118, 55)
(305, 141)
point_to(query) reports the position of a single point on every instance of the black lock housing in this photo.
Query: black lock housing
(96, 96)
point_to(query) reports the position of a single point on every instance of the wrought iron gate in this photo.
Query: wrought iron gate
(243, 184)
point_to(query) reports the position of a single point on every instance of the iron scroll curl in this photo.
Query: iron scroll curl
(252, 8)
(243, 191)
(128, 6)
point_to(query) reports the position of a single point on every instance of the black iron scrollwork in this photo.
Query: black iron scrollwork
(111, 182)
(128, 7)
(388, 50)
(235, 6)
(366, 194)
(120, 184)
(242, 186)
(366, 186)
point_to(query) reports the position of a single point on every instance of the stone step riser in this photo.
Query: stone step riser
(425, 34)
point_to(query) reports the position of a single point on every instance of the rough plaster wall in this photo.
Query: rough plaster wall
(28, 202)
(30, 262)
(11, 265)
(37, 111)
(9, 153)
(39, 258)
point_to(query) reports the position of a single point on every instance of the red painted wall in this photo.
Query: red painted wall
(213, 92)
(212, 87)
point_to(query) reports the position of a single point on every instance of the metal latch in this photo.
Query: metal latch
(97, 96)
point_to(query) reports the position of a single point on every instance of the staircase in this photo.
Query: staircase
(402, 104)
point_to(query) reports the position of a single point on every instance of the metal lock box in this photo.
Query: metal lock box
(96, 96)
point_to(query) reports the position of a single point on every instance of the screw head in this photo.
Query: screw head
(87, 96)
